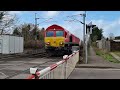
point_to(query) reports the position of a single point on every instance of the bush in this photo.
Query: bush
(34, 44)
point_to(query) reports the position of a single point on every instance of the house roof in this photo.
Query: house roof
(116, 40)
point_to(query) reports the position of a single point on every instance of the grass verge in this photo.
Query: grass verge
(107, 56)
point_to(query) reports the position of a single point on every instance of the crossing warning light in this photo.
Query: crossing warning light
(89, 28)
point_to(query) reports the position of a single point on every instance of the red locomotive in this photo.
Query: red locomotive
(58, 38)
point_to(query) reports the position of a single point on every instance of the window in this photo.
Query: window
(49, 34)
(59, 33)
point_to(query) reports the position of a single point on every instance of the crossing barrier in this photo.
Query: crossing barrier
(59, 70)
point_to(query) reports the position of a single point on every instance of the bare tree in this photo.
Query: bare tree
(7, 21)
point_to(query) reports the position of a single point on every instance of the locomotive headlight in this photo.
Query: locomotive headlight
(61, 43)
(48, 43)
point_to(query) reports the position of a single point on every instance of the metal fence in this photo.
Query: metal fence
(59, 70)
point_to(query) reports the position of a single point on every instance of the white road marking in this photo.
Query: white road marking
(3, 74)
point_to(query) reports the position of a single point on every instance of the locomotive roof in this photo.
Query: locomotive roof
(55, 26)
(58, 27)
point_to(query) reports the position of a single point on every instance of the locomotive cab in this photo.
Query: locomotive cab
(54, 38)
(57, 38)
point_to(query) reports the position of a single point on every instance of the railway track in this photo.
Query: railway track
(39, 66)
(7, 62)
(25, 59)
(24, 54)
(42, 54)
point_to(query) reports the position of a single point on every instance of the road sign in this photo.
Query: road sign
(90, 24)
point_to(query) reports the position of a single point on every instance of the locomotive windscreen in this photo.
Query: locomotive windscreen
(49, 33)
(59, 33)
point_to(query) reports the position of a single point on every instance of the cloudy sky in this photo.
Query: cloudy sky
(109, 21)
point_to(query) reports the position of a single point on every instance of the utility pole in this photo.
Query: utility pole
(35, 27)
(86, 51)
(84, 25)
(35, 31)
(84, 15)
(89, 29)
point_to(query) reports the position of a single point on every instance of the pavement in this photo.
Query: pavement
(97, 68)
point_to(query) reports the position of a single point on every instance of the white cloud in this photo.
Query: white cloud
(79, 12)
(15, 12)
(108, 26)
(74, 28)
(51, 13)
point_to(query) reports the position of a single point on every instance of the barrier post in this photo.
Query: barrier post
(59, 70)
(33, 71)
(65, 58)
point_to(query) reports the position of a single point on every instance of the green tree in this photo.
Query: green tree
(96, 34)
